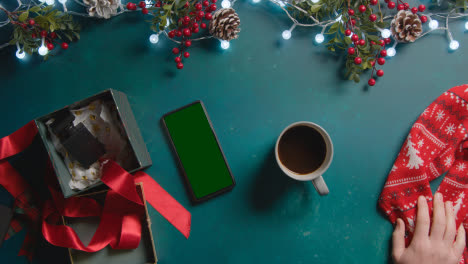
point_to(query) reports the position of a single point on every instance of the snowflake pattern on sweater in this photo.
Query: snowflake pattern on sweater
(437, 144)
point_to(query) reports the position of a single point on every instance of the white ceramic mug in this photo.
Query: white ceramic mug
(315, 176)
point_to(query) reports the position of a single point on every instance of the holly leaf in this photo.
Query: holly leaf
(23, 16)
(35, 9)
(315, 8)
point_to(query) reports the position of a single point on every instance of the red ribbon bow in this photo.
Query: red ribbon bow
(120, 224)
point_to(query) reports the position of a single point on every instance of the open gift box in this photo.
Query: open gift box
(145, 253)
(138, 157)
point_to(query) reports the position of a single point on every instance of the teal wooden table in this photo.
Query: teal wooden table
(251, 91)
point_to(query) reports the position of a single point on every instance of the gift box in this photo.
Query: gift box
(145, 253)
(138, 154)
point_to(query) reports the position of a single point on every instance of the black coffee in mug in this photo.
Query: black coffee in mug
(302, 149)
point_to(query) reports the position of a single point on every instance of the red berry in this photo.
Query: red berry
(423, 19)
(371, 82)
(406, 6)
(381, 61)
(177, 59)
(178, 33)
(357, 60)
(64, 45)
(391, 5)
(144, 11)
(372, 42)
(131, 6)
(185, 23)
(387, 40)
(213, 1)
(32, 22)
(206, 3)
(382, 43)
(212, 7)
(421, 8)
(400, 7)
(188, 43)
(347, 32)
(43, 33)
(380, 73)
(186, 54)
(171, 34)
(373, 2)
(362, 8)
(53, 35)
(142, 4)
(195, 30)
(175, 50)
(203, 25)
(208, 16)
(33, 35)
(180, 66)
(383, 53)
(350, 12)
(186, 5)
(50, 46)
(414, 10)
(195, 25)
(187, 32)
(362, 42)
(354, 37)
(372, 63)
(158, 4)
(351, 51)
(353, 21)
(386, 1)
(198, 6)
(186, 19)
(200, 14)
(372, 17)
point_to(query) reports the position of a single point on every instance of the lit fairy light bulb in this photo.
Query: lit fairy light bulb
(386, 33)
(225, 4)
(454, 45)
(42, 50)
(319, 38)
(315, 1)
(466, 25)
(256, 1)
(42, 1)
(391, 52)
(50, 2)
(433, 24)
(286, 34)
(62, 1)
(225, 44)
(20, 54)
(154, 38)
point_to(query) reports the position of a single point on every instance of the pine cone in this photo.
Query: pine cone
(102, 8)
(406, 26)
(225, 24)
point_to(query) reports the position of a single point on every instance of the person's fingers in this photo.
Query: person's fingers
(398, 238)
(450, 228)
(438, 223)
(422, 221)
(460, 242)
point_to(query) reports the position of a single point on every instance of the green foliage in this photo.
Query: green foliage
(46, 18)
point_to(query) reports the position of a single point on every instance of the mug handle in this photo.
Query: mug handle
(320, 185)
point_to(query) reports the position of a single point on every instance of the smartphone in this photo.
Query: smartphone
(202, 161)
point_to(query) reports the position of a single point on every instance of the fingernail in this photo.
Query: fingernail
(439, 196)
(421, 198)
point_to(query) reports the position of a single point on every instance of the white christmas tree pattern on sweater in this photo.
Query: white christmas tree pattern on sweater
(414, 160)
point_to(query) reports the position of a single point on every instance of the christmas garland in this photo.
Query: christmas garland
(367, 30)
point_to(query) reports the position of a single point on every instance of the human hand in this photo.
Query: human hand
(434, 248)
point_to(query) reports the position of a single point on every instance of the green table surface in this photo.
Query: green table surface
(251, 91)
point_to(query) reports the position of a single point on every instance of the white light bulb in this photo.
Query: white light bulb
(315, 1)
(225, 44)
(256, 1)
(466, 25)
(391, 52)
(286, 34)
(319, 38)
(20, 54)
(225, 4)
(42, 1)
(154, 38)
(454, 45)
(62, 1)
(42, 50)
(434, 24)
(386, 33)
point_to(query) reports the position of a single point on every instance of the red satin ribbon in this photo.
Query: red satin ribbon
(120, 224)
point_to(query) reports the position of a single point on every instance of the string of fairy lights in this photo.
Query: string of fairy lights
(433, 25)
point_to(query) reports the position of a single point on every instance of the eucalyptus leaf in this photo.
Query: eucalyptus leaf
(23, 16)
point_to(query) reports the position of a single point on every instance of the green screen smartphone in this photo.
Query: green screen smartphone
(201, 159)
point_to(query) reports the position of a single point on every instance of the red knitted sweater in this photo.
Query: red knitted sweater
(437, 143)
